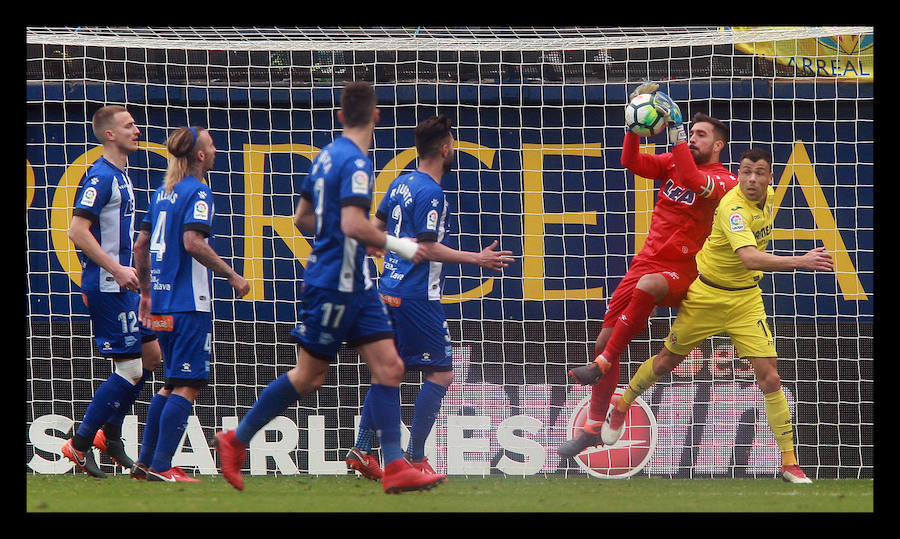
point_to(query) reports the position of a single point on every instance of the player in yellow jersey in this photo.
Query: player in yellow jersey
(726, 298)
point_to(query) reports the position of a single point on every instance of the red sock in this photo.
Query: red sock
(632, 322)
(602, 391)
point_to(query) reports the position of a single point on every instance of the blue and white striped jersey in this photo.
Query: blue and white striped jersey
(179, 283)
(414, 207)
(341, 175)
(106, 197)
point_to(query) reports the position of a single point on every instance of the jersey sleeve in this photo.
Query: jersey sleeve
(706, 184)
(734, 221)
(427, 213)
(642, 164)
(92, 196)
(356, 183)
(199, 212)
(306, 187)
(384, 207)
(147, 221)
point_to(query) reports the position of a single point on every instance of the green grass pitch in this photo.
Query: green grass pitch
(493, 494)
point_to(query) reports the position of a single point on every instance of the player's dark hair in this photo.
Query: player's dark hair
(430, 134)
(357, 103)
(180, 145)
(755, 154)
(720, 130)
(103, 120)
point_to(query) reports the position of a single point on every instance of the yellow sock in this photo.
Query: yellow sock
(788, 458)
(640, 382)
(779, 418)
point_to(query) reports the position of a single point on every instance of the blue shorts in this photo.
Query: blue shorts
(420, 329)
(329, 318)
(186, 342)
(117, 330)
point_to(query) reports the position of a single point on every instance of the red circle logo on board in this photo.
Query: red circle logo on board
(627, 456)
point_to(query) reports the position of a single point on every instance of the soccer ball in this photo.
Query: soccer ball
(641, 116)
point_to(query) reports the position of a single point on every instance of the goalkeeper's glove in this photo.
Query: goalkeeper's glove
(670, 111)
(645, 88)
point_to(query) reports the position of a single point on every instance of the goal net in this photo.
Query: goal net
(538, 116)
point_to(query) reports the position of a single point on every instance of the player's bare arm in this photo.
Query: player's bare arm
(305, 216)
(142, 263)
(80, 234)
(195, 244)
(487, 258)
(817, 259)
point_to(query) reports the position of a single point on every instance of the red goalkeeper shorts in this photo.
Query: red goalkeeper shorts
(679, 276)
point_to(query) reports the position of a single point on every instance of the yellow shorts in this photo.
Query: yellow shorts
(708, 311)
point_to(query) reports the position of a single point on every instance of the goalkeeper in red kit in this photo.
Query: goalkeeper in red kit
(692, 181)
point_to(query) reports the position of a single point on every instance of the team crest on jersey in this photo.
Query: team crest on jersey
(89, 196)
(736, 221)
(359, 183)
(201, 210)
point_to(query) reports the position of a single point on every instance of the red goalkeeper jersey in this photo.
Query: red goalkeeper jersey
(685, 203)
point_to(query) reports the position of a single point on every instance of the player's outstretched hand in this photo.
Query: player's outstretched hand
(490, 259)
(645, 88)
(817, 259)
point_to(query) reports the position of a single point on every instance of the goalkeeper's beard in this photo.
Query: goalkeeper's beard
(700, 158)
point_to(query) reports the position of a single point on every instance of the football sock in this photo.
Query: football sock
(366, 435)
(428, 404)
(277, 396)
(107, 398)
(151, 430)
(172, 423)
(640, 382)
(779, 418)
(113, 426)
(602, 392)
(385, 409)
(630, 324)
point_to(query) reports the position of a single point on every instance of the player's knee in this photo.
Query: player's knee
(391, 371)
(441, 378)
(654, 284)
(768, 381)
(151, 356)
(306, 381)
(665, 362)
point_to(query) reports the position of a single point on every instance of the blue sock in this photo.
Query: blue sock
(118, 417)
(366, 429)
(428, 404)
(277, 396)
(172, 423)
(151, 430)
(107, 399)
(385, 408)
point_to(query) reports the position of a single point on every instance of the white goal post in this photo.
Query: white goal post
(537, 114)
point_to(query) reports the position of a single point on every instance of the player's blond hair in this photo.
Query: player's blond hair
(181, 145)
(104, 119)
